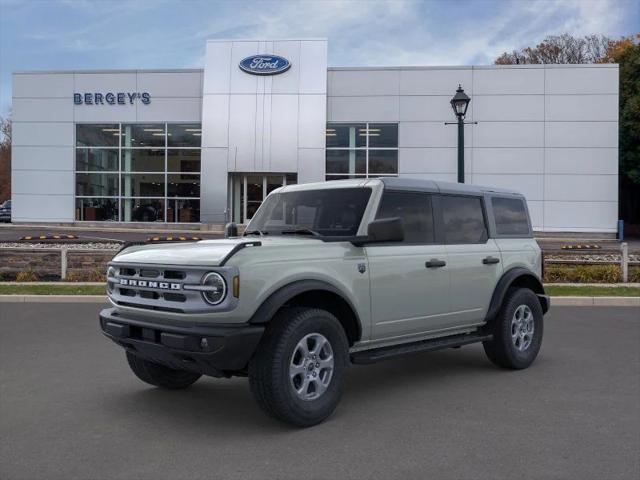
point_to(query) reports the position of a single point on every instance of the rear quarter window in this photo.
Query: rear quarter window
(510, 215)
(463, 219)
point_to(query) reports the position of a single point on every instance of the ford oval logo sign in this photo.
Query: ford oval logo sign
(265, 64)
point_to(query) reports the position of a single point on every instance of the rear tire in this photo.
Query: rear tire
(297, 372)
(517, 330)
(159, 375)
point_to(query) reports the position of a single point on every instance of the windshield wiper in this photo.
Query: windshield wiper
(256, 232)
(300, 231)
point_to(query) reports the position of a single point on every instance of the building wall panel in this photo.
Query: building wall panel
(42, 85)
(508, 80)
(432, 81)
(171, 84)
(42, 208)
(581, 108)
(43, 134)
(43, 158)
(586, 79)
(42, 110)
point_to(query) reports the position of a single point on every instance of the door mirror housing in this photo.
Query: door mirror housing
(230, 230)
(383, 230)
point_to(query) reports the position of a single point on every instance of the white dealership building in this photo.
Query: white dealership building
(206, 145)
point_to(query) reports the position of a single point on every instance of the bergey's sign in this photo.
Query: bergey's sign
(110, 98)
(265, 64)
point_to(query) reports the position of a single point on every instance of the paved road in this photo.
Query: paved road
(69, 408)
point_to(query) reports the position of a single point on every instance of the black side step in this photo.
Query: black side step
(383, 353)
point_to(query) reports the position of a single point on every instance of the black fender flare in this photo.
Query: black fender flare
(524, 277)
(280, 297)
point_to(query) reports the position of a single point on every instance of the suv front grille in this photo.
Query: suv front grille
(158, 288)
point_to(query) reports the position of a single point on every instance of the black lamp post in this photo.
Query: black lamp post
(460, 103)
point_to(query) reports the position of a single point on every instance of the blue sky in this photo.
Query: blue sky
(105, 34)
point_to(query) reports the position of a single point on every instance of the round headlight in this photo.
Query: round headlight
(111, 273)
(216, 288)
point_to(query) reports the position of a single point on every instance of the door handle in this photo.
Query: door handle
(435, 263)
(490, 260)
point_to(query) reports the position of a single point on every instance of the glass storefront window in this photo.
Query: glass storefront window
(152, 174)
(143, 209)
(96, 209)
(330, 177)
(185, 161)
(273, 182)
(347, 161)
(346, 136)
(291, 178)
(184, 135)
(247, 192)
(183, 211)
(254, 194)
(383, 135)
(183, 185)
(361, 150)
(383, 162)
(94, 135)
(96, 160)
(143, 135)
(143, 185)
(143, 160)
(97, 185)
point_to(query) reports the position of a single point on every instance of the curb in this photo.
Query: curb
(56, 283)
(605, 285)
(555, 301)
(53, 299)
(595, 301)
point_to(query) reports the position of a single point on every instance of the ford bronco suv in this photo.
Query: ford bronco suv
(329, 274)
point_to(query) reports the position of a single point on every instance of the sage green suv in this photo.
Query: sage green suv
(327, 275)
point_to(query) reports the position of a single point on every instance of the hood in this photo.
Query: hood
(202, 253)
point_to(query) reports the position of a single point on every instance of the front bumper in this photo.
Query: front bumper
(210, 350)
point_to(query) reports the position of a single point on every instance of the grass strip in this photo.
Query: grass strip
(591, 291)
(53, 289)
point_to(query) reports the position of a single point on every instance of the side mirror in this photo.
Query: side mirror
(230, 230)
(383, 230)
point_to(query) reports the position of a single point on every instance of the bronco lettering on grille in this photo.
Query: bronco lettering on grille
(128, 282)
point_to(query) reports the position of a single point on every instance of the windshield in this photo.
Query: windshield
(327, 212)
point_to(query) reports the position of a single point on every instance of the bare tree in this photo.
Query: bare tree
(5, 158)
(563, 48)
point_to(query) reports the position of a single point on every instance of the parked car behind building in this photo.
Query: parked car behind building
(5, 211)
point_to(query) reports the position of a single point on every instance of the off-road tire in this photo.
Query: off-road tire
(501, 349)
(269, 368)
(159, 375)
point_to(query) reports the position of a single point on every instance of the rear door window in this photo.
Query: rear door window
(463, 219)
(510, 216)
(414, 209)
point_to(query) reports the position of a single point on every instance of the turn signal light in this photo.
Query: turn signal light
(236, 286)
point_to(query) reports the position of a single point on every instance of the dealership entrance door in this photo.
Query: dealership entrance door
(248, 190)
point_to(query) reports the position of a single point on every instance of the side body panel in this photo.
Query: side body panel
(407, 297)
(472, 281)
(520, 252)
(339, 264)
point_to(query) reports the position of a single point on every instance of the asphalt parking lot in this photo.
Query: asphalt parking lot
(70, 408)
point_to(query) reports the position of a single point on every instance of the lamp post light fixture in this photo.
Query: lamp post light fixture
(459, 104)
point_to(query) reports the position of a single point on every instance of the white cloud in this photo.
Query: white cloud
(404, 32)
